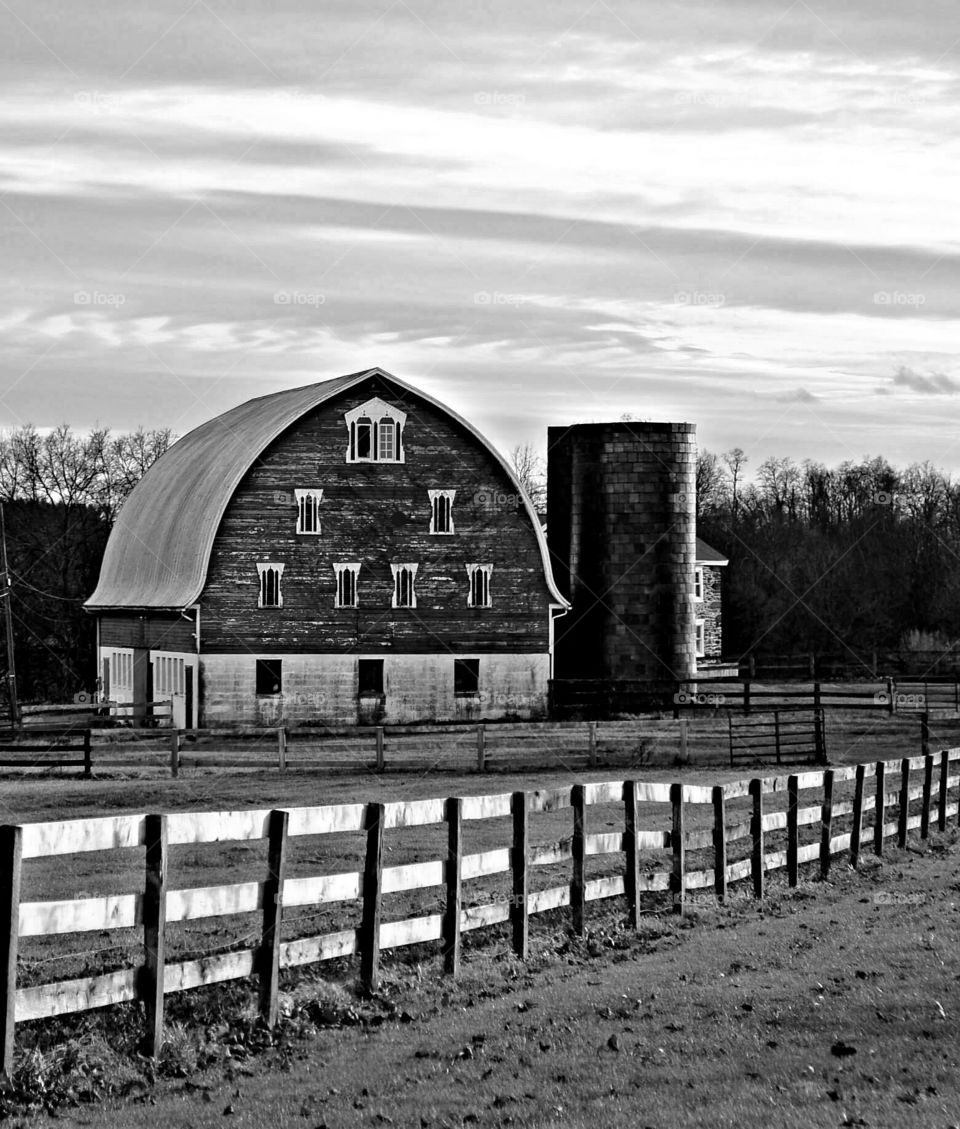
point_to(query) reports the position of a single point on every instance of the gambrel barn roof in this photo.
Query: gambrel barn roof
(159, 550)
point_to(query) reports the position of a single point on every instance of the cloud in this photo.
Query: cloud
(936, 384)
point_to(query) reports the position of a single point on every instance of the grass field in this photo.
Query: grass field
(411, 980)
(836, 1005)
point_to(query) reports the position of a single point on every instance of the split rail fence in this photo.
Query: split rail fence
(655, 859)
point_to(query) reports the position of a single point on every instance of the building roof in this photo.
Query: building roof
(159, 549)
(708, 556)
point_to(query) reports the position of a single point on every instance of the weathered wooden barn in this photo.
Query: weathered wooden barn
(346, 552)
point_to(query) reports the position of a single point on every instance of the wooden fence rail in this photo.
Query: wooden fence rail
(640, 841)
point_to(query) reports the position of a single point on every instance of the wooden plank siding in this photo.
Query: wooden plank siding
(376, 513)
(155, 631)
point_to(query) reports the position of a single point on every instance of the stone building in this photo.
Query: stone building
(347, 552)
(707, 615)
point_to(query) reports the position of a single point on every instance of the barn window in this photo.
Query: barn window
(404, 577)
(698, 583)
(346, 575)
(466, 677)
(308, 510)
(269, 677)
(270, 594)
(441, 510)
(376, 433)
(478, 595)
(700, 639)
(369, 677)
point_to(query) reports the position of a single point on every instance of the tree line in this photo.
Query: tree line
(61, 492)
(850, 559)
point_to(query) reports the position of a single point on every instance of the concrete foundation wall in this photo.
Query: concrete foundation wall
(322, 690)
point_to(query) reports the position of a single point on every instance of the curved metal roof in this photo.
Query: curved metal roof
(159, 549)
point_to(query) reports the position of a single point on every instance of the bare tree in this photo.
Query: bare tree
(529, 468)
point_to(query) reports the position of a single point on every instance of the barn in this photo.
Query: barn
(347, 552)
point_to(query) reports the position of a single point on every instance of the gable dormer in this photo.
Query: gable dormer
(375, 431)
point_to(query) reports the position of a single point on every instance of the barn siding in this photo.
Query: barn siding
(376, 514)
(156, 631)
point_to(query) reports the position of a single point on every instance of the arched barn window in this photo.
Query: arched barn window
(441, 510)
(308, 510)
(478, 595)
(270, 595)
(376, 433)
(404, 593)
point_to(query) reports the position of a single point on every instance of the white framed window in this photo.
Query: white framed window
(404, 585)
(270, 573)
(700, 639)
(308, 511)
(375, 431)
(441, 510)
(346, 574)
(478, 592)
(698, 583)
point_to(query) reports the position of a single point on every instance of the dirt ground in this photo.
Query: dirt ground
(836, 1004)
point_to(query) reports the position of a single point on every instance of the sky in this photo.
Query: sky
(742, 214)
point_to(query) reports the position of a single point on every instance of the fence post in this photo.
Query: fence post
(593, 743)
(924, 734)
(944, 776)
(956, 692)
(282, 748)
(826, 822)
(730, 731)
(719, 843)
(678, 841)
(816, 697)
(379, 737)
(904, 802)
(746, 692)
(154, 931)
(11, 864)
(268, 958)
(879, 810)
(452, 880)
(578, 850)
(87, 755)
(677, 691)
(756, 835)
(519, 915)
(927, 794)
(481, 751)
(174, 753)
(793, 830)
(891, 704)
(820, 737)
(857, 829)
(370, 918)
(631, 852)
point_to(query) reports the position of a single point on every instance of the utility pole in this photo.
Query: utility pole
(6, 594)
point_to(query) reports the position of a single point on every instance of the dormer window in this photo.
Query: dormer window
(308, 511)
(375, 433)
(441, 510)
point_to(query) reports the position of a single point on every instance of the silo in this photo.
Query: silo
(621, 526)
